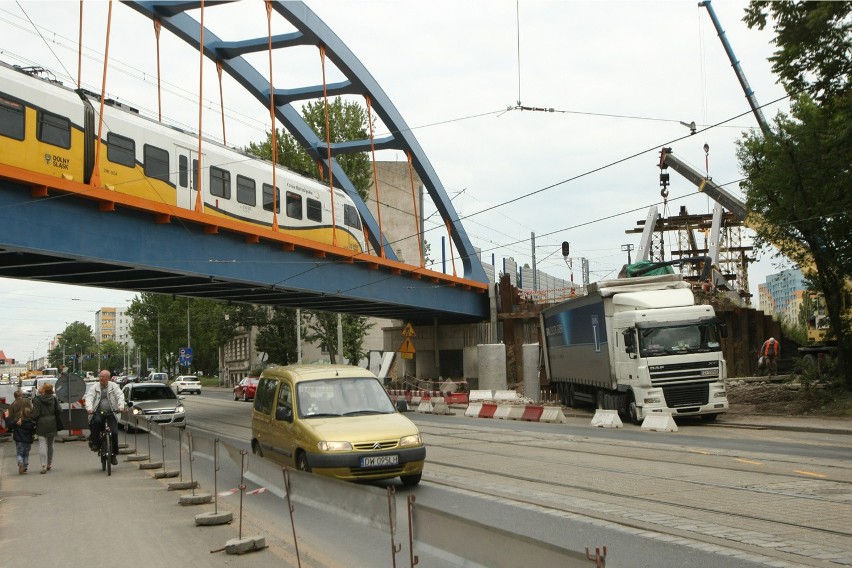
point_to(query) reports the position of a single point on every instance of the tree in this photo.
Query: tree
(322, 327)
(797, 178)
(76, 341)
(277, 337)
(161, 324)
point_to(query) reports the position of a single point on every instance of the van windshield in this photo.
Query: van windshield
(342, 397)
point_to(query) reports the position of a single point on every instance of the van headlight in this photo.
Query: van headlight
(413, 440)
(334, 446)
(180, 410)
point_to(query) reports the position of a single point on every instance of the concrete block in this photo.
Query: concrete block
(169, 473)
(151, 465)
(177, 485)
(606, 419)
(516, 411)
(137, 458)
(502, 411)
(425, 406)
(659, 422)
(195, 498)
(245, 544)
(212, 518)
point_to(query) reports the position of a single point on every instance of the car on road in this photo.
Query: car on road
(153, 403)
(157, 377)
(27, 387)
(186, 383)
(246, 388)
(334, 420)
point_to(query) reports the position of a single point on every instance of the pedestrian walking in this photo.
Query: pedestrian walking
(22, 427)
(770, 352)
(46, 411)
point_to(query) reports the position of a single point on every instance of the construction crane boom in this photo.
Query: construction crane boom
(706, 185)
(749, 93)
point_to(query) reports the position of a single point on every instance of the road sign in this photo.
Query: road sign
(407, 347)
(185, 356)
(70, 387)
(408, 331)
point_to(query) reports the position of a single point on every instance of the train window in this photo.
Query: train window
(220, 182)
(121, 150)
(314, 210)
(183, 170)
(194, 175)
(351, 217)
(294, 205)
(11, 119)
(267, 198)
(156, 162)
(246, 191)
(53, 129)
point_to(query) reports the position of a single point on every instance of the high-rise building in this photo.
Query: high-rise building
(113, 324)
(781, 296)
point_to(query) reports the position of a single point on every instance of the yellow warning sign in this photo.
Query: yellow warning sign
(408, 331)
(407, 347)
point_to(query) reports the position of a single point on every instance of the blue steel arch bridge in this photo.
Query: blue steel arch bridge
(83, 234)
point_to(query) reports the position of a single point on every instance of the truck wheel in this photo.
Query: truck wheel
(709, 417)
(632, 410)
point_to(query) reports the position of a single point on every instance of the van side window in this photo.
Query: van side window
(11, 119)
(314, 210)
(284, 408)
(156, 162)
(53, 129)
(220, 182)
(121, 150)
(264, 396)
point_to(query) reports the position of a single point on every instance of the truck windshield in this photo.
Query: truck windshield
(674, 340)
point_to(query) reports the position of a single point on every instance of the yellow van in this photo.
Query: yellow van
(334, 420)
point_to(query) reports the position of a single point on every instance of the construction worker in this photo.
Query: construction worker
(770, 352)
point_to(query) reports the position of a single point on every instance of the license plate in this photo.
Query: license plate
(379, 461)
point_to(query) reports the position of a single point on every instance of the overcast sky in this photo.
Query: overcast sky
(620, 76)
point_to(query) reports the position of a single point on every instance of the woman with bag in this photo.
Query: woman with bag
(45, 412)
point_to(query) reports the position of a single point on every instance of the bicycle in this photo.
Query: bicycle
(106, 451)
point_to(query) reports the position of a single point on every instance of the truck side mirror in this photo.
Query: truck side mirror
(629, 341)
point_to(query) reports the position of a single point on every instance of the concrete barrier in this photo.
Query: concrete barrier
(505, 395)
(425, 406)
(606, 419)
(488, 409)
(553, 414)
(473, 409)
(481, 395)
(659, 422)
(440, 406)
(502, 411)
(532, 413)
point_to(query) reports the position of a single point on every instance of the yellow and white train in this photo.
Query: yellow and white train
(50, 129)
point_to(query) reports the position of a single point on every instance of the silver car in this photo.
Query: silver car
(153, 403)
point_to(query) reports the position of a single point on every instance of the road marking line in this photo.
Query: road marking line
(811, 473)
(743, 460)
(703, 453)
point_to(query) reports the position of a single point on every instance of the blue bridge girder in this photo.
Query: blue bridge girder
(73, 239)
(311, 30)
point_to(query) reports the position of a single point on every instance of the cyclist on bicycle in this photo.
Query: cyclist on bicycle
(103, 400)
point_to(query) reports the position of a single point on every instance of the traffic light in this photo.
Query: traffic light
(566, 248)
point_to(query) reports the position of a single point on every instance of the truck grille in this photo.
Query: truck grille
(687, 395)
(679, 373)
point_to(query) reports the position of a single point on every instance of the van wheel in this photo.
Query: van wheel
(410, 480)
(302, 462)
(255, 448)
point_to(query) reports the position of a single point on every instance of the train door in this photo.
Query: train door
(187, 178)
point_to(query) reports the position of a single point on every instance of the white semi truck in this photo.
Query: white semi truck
(637, 345)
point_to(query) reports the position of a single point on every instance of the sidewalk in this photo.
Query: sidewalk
(63, 517)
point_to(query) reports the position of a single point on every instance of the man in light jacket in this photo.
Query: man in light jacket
(103, 400)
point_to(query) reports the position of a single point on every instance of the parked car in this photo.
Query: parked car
(127, 379)
(151, 402)
(334, 420)
(27, 387)
(186, 383)
(245, 390)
